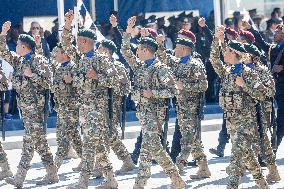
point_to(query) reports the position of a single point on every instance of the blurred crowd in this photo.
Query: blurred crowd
(168, 26)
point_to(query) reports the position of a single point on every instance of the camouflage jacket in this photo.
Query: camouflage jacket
(157, 77)
(64, 92)
(192, 73)
(124, 80)
(268, 82)
(90, 89)
(30, 90)
(3, 81)
(232, 98)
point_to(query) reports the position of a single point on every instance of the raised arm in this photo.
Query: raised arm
(9, 57)
(67, 37)
(208, 33)
(125, 50)
(117, 37)
(259, 41)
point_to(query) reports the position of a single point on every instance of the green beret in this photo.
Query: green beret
(185, 42)
(29, 40)
(252, 49)
(237, 47)
(109, 44)
(148, 41)
(87, 33)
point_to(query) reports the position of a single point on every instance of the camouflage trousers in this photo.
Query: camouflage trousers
(34, 138)
(152, 148)
(93, 118)
(242, 130)
(67, 132)
(190, 141)
(3, 155)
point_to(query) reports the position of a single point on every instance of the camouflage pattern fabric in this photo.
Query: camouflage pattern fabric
(193, 76)
(158, 78)
(93, 104)
(31, 102)
(67, 109)
(239, 107)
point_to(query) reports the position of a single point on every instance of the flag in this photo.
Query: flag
(88, 20)
(79, 3)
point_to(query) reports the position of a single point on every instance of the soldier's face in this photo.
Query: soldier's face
(230, 56)
(181, 51)
(21, 48)
(59, 55)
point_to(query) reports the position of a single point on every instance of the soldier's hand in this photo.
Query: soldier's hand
(144, 32)
(220, 33)
(68, 78)
(91, 74)
(69, 16)
(147, 93)
(6, 27)
(28, 72)
(277, 68)
(113, 20)
(160, 39)
(130, 24)
(240, 81)
(37, 40)
(179, 85)
(246, 25)
(201, 22)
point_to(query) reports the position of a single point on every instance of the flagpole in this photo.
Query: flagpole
(93, 9)
(60, 12)
(115, 5)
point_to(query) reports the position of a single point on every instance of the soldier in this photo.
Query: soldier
(276, 59)
(67, 110)
(108, 47)
(4, 165)
(153, 83)
(240, 87)
(31, 77)
(192, 82)
(93, 76)
(253, 60)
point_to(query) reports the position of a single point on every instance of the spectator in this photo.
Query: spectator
(268, 34)
(12, 41)
(278, 13)
(36, 30)
(53, 38)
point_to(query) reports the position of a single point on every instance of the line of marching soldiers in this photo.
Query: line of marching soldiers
(83, 80)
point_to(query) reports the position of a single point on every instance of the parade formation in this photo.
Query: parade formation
(90, 86)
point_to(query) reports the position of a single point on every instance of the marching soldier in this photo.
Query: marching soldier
(67, 109)
(108, 47)
(240, 87)
(31, 77)
(93, 76)
(153, 83)
(4, 165)
(192, 82)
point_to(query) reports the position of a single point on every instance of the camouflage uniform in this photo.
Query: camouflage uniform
(239, 107)
(4, 166)
(266, 109)
(31, 102)
(93, 108)
(159, 79)
(66, 98)
(115, 142)
(192, 74)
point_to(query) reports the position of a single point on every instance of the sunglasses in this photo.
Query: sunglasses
(35, 28)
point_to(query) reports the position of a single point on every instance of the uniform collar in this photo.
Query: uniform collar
(90, 54)
(184, 59)
(65, 64)
(27, 57)
(149, 62)
(237, 69)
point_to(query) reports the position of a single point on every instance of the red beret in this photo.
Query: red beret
(231, 32)
(152, 33)
(187, 34)
(248, 35)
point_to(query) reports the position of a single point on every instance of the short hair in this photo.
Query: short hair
(150, 48)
